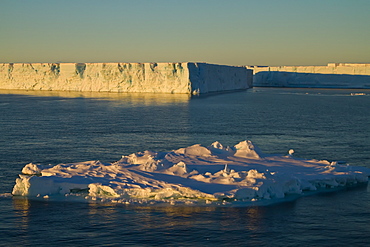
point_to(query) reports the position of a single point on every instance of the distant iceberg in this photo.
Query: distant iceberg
(193, 175)
(334, 75)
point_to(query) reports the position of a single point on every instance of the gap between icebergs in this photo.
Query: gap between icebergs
(193, 175)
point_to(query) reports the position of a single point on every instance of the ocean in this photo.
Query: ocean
(61, 127)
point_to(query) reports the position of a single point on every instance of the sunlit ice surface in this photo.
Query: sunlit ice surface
(240, 175)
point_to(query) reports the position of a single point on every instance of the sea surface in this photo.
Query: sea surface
(61, 127)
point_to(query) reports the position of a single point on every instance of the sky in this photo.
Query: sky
(233, 32)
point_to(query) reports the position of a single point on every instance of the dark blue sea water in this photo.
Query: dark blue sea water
(60, 127)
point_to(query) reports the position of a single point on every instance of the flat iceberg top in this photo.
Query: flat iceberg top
(193, 175)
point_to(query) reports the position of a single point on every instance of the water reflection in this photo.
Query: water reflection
(21, 210)
(224, 219)
(132, 98)
(94, 218)
(97, 224)
(59, 127)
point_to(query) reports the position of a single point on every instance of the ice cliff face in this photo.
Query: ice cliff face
(207, 78)
(186, 78)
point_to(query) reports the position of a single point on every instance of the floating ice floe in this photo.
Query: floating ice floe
(191, 175)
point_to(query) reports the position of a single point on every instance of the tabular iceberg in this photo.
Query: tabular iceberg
(334, 75)
(193, 175)
(188, 78)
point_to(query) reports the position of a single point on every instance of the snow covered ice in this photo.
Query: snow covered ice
(193, 175)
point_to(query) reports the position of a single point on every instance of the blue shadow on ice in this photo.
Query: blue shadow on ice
(310, 80)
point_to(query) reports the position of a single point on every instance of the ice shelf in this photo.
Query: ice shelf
(334, 75)
(186, 78)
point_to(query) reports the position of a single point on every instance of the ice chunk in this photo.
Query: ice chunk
(195, 150)
(99, 190)
(248, 150)
(32, 169)
(178, 169)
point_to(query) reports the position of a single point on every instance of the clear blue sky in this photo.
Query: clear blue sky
(235, 32)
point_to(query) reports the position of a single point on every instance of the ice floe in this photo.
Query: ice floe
(193, 175)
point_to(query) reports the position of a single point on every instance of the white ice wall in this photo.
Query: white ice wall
(331, 76)
(125, 77)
